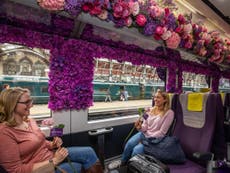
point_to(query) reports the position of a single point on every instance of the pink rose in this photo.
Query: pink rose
(166, 35)
(173, 41)
(87, 7)
(52, 5)
(134, 8)
(156, 11)
(181, 19)
(159, 30)
(128, 21)
(121, 10)
(202, 51)
(187, 28)
(96, 10)
(141, 20)
(216, 59)
(188, 45)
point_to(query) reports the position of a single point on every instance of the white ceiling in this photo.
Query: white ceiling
(223, 6)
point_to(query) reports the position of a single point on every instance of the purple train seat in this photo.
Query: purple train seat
(195, 129)
(219, 147)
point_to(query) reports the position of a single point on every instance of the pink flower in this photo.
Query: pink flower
(134, 8)
(216, 59)
(181, 19)
(128, 21)
(178, 29)
(173, 41)
(159, 30)
(202, 51)
(156, 11)
(206, 37)
(121, 10)
(52, 5)
(166, 34)
(187, 28)
(87, 7)
(141, 20)
(48, 122)
(188, 44)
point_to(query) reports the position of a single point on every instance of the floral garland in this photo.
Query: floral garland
(172, 57)
(151, 20)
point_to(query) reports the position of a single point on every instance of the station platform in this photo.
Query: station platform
(43, 110)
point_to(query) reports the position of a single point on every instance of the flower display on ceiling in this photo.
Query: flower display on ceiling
(151, 20)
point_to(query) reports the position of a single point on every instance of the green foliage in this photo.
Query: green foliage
(140, 111)
(60, 126)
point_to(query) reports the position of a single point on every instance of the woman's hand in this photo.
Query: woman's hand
(138, 124)
(57, 142)
(60, 155)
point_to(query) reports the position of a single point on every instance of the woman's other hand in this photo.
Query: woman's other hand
(138, 123)
(57, 142)
(60, 155)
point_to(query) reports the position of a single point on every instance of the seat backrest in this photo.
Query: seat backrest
(219, 147)
(227, 106)
(195, 129)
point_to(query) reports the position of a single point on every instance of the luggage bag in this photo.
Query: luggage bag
(146, 164)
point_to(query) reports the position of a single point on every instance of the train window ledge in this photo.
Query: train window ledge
(112, 114)
(112, 119)
(39, 117)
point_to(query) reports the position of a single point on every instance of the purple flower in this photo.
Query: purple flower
(150, 28)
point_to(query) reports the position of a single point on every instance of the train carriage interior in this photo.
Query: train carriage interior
(92, 69)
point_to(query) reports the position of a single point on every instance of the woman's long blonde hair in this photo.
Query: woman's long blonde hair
(166, 106)
(8, 101)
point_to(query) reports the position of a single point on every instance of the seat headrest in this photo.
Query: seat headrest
(195, 102)
(193, 118)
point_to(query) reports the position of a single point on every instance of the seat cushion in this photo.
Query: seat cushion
(187, 167)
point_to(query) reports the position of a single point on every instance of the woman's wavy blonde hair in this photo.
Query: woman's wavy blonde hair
(8, 101)
(166, 106)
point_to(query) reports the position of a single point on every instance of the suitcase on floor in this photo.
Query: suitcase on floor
(146, 164)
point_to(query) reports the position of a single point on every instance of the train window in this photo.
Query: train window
(25, 67)
(44, 89)
(120, 88)
(194, 82)
(224, 85)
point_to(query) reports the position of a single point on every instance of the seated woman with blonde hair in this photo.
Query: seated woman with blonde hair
(156, 124)
(24, 148)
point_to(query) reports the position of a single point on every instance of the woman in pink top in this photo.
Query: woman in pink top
(24, 148)
(155, 124)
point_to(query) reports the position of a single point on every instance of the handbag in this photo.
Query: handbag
(167, 149)
(142, 163)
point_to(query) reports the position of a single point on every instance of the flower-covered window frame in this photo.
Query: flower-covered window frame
(72, 67)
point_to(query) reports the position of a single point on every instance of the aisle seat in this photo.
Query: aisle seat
(195, 129)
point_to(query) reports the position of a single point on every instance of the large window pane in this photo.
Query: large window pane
(27, 68)
(224, 85)
(194, 82)
(120, 88)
